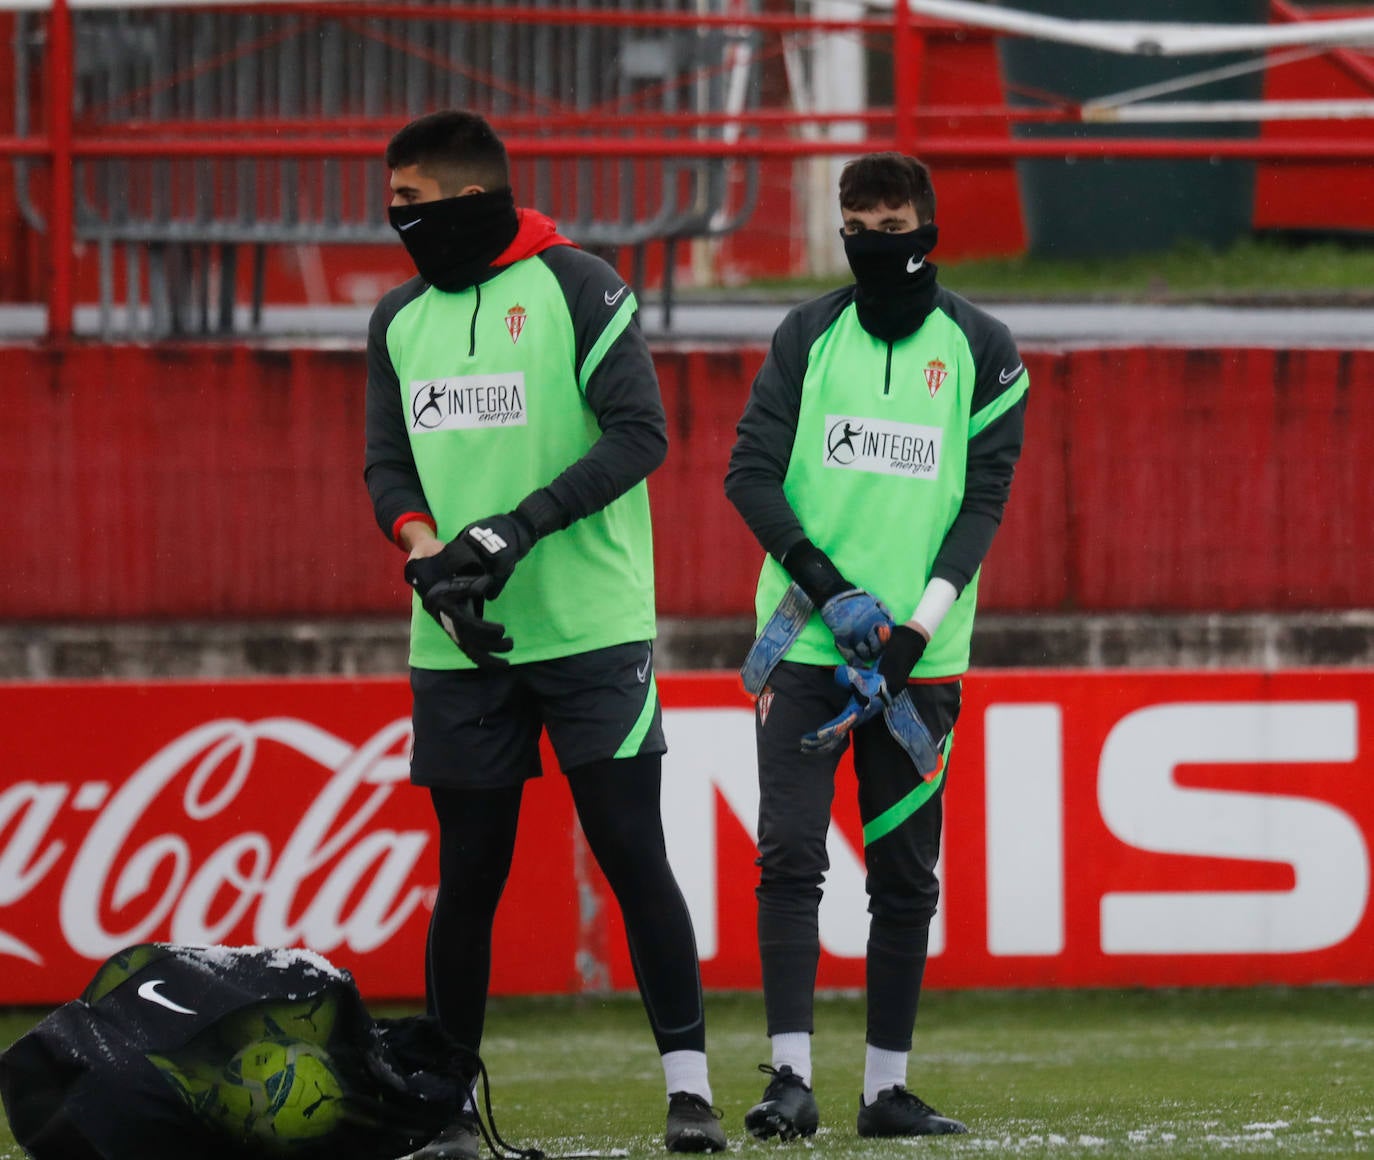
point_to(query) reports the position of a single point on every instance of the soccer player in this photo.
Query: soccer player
(872, 462)
(513, 414)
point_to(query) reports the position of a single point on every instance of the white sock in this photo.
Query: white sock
(685, 1071)
(793, 1049)
(882, 1069)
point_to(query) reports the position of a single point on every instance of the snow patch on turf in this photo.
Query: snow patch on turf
(1258, 1137)
(1034, 1140)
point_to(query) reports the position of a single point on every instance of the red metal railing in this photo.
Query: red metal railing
(61, 145)
(907, 125)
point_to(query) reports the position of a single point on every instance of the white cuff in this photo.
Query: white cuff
(936, 600)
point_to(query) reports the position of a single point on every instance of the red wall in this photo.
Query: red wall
(205, 481)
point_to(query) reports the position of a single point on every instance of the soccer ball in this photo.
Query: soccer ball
(279, 1092)
(311, 1020)
(197, 1085)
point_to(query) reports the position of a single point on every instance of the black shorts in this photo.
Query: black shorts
(480, 729)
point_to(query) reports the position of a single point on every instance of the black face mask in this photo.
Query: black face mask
(453, 241)
(896, 285)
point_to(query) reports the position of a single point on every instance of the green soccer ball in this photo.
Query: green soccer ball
(197, 1085)
(311, 1019)
(279, 1092)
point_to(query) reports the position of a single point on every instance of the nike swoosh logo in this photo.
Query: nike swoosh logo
(407, 225)
(911, 269)
(149, 991)
(612, 299)
(643, 671)
(1005, 377)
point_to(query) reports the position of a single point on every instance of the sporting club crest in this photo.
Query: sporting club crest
(936, 372)
(515, 323)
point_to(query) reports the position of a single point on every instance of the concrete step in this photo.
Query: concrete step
(68, 651)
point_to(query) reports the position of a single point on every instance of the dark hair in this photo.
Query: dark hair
(890, 179)
(454, 147)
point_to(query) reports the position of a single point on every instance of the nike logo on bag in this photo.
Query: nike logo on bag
(910, 268)
(407, 226)
(1005, 377)
(612, 299)
(149, 992)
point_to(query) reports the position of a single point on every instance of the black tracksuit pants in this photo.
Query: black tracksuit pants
(901, 847)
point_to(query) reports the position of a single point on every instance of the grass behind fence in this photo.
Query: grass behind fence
(1254, 271)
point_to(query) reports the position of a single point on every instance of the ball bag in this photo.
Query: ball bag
(227, 1053)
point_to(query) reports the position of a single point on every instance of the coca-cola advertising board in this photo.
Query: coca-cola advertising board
(1102, 828)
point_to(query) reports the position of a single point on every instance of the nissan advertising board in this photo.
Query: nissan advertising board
(1102, 828)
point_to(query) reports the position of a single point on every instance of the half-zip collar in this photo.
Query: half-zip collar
(535, 233)
(472, 331)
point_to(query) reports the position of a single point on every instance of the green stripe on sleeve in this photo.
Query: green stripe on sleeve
(896, 814)
(1000, 405)
(614, 329)
(630, 746)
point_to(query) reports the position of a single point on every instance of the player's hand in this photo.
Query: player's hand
(904, 648)
(437, 561)
(497, 544)
(453, 603)
(860, 624)
(868, 697)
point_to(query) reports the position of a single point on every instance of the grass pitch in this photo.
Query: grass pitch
(1265, 1072)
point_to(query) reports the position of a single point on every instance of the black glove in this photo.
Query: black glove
(453, 602)
(500, 542)
(904, 648)
(858, 621)
(497, 544)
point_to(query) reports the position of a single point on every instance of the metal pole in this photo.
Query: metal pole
(60, 160)
(908, 59)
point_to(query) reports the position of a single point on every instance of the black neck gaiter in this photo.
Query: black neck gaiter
(896, 285)
(454, 240)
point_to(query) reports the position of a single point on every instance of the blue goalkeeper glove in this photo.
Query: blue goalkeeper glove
(858, 621)
(871, 693)
(860, 624)
(868, 698)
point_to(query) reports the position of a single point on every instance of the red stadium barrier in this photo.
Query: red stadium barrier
(226, 481)
(1103, 829)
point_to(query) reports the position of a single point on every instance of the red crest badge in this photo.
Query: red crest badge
(515, 322)
(765, 703)
(936, 372)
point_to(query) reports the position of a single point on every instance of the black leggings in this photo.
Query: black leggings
(617, 804)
